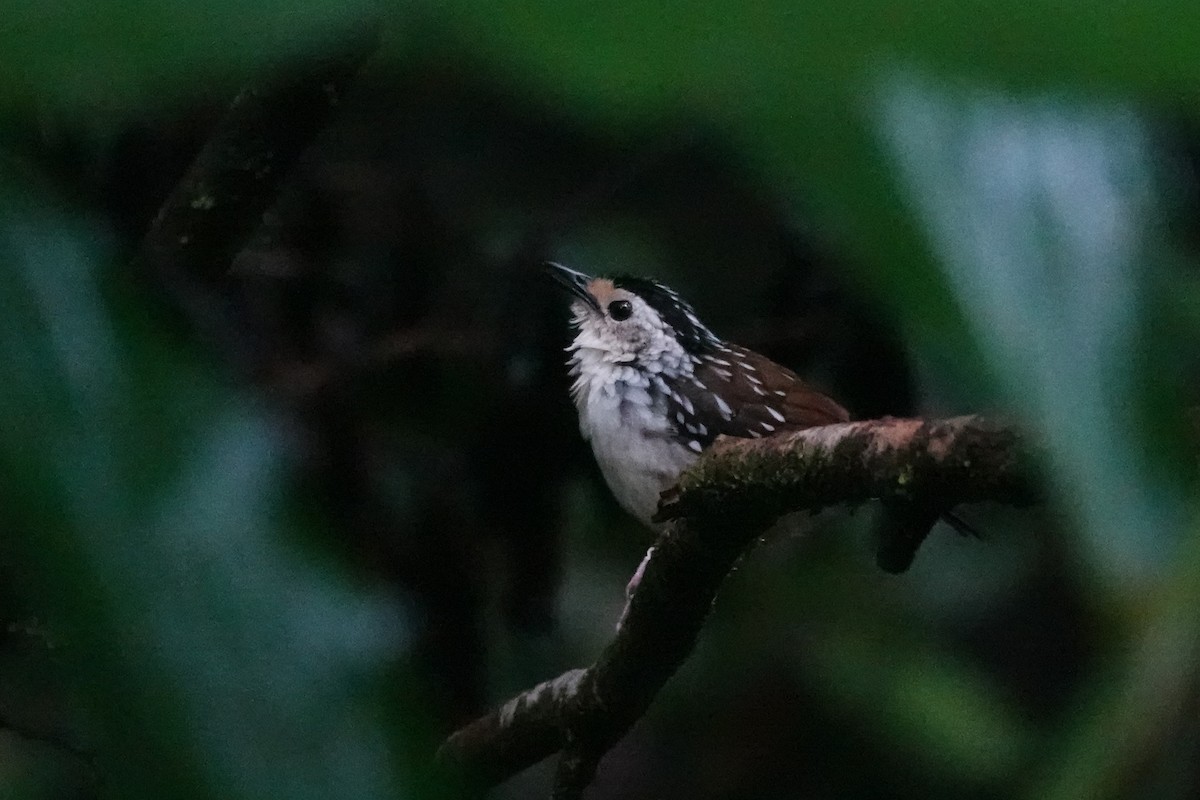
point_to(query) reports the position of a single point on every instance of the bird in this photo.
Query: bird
(654, 387)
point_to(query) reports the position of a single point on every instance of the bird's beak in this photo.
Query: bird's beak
(575, 282)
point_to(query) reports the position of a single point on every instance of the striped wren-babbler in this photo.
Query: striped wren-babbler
(654, 388)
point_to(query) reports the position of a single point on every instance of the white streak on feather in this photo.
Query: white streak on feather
(723, 407)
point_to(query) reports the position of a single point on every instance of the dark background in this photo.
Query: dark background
(279, 536)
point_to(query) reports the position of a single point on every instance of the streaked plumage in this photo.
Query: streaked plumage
(654, 386)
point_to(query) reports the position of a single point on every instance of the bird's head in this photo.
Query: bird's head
(632, 320)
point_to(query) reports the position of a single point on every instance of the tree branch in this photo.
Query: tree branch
(730, 497)
(955, 461)
(219, 202)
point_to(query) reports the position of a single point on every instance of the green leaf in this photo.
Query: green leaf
(791, 84)
(747, 58)
(110, 55)
(1042, 211)
(1126, 713)
(918, 699)
(149, 518)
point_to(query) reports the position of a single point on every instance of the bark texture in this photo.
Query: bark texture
(722, 505)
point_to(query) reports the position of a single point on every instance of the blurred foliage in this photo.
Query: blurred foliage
(146, 503)
(114, 56)
(289, 584)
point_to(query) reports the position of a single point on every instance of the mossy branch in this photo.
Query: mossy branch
(951, 462)
(731, 496)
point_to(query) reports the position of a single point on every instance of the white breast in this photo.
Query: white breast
(622, 412)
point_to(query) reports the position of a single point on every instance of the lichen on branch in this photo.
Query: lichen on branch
(954, 461)
(723, 504)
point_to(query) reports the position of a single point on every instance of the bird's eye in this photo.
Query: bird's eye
(620, 309)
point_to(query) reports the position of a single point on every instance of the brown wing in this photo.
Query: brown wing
(781, 390)
(737, 392)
